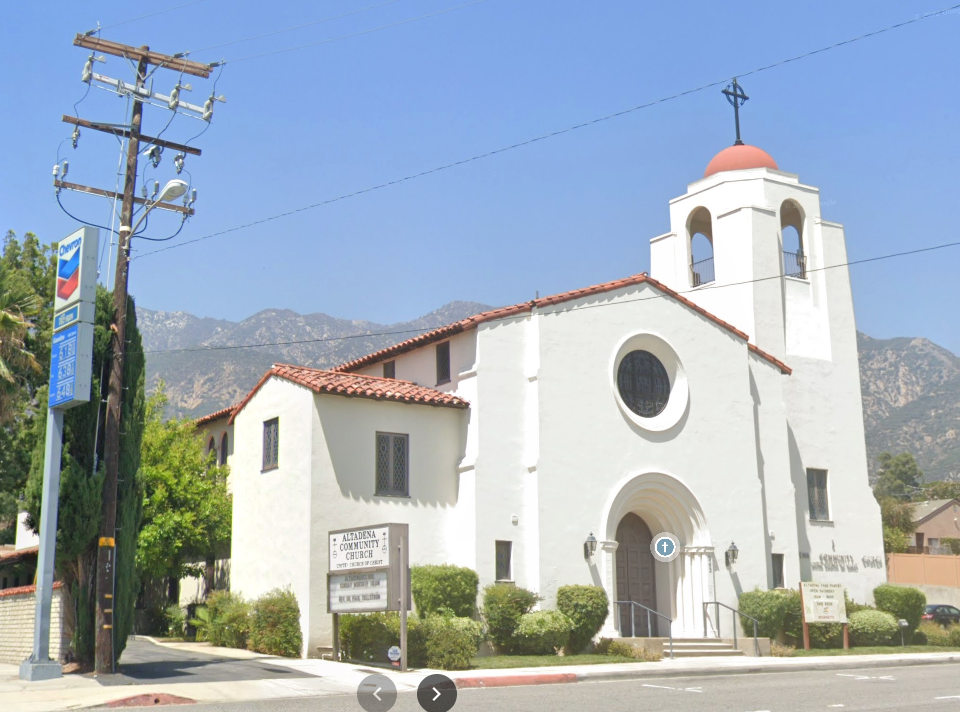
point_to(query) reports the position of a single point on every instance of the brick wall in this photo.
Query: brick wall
(17, 611)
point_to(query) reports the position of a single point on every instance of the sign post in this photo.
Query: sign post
(71, 360)
(823, 603)
(368, 573)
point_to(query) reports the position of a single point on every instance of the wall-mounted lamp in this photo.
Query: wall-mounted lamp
(589, 546)
(731, 554)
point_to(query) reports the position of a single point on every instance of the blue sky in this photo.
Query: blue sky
(872, 124)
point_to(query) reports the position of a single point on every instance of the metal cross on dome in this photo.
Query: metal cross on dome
(736, 97)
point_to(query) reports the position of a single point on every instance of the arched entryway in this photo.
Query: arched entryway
(636, 577)
(641, 506)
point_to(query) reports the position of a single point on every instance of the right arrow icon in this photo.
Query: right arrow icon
(436, 695)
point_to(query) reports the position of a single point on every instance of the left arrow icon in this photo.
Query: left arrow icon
(376, 695)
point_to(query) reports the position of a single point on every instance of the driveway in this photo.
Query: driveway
(145, 661)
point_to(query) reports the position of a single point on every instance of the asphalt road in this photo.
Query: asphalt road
(906, 689)
(143, 661)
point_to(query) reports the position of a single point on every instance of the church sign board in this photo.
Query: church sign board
(365, 569)
(369, 572)
(823, 603)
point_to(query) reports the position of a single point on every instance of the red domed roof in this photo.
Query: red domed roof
(739, 157)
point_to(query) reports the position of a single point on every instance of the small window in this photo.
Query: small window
(271, 444)
(778, 570)
(223, 449)
(817, 491)
(393, 465)
(504, 561)
(390, 369)
(212, 447)
(443, 362)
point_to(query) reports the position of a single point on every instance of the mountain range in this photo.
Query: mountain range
(910, 386)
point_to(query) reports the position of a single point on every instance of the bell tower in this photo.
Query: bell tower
(748, 243)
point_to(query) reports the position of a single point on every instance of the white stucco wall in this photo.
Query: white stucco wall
(270, 545)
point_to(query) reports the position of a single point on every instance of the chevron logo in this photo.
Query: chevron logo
(68, 271)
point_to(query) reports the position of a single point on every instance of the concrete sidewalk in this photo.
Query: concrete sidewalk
(323, 677)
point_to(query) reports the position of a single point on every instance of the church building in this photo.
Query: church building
(547, 443)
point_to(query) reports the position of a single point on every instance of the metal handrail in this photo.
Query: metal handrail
(702, 272)
(756, 641)
(633, 619)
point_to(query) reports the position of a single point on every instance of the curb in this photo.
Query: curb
(149, 700)
(658, 672)
(555, 678)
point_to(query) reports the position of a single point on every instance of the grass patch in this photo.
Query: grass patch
(501, 662)
(875, 650)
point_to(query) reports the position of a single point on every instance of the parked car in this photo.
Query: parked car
(942, 614)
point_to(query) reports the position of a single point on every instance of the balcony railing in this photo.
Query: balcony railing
(795, 264)
(702, 272)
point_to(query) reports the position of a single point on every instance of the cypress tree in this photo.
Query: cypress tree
(81, 487)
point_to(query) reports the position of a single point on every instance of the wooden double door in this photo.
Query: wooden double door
(636, 577)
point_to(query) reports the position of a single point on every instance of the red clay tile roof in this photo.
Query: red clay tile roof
(9, 557)
(471, 322)
(356, 386)
(216, 415)
(18, 590)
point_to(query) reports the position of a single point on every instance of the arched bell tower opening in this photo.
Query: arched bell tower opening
(791, 230)
(700, 231)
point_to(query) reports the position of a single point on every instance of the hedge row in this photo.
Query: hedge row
(779, 613)
(444, 635)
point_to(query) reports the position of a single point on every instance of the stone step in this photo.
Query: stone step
(697, 653)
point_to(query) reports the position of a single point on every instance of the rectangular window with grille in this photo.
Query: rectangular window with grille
(817, 491)
(777, 570)
(271, 444)
(390, 369)
(443, 362)
(393, 465)
(504, 561)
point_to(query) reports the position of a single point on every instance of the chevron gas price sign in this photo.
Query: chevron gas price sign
(77, 269)
(71, 355)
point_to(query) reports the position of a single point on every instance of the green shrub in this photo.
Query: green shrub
(602, 646)
(503, 606)
(451, 642)
(224, 620)
(444, 588)
(543, 632)
(872, 628)
(901, 602)
(275, 629)
(587, 607)
(770, 608)
(176, 620)
(934, 633)
(954, 636)
(368, 636)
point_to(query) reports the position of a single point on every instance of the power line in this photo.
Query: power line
(544, 137)
(359, 34)
(582, 308)
(292, 29)
(144, 17)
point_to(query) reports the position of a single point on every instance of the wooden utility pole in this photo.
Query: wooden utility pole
(104, 661)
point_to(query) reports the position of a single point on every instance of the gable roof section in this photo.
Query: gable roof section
(216, 415)
(926, 510)
(354, 385)
(472, 322)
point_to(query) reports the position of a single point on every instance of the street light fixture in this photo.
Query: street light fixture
(171, 191)
(731, 554)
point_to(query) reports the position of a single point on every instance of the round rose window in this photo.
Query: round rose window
(643, 383)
